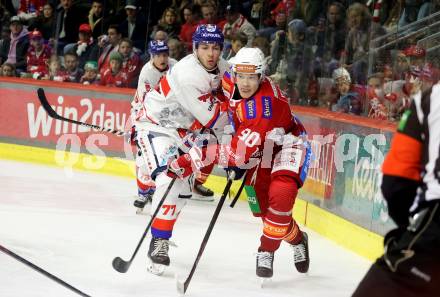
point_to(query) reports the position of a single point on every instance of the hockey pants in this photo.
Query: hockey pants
(158, 149)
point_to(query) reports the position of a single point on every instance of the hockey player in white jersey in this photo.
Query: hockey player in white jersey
(184, 101)
(151, 73)
(153, 70)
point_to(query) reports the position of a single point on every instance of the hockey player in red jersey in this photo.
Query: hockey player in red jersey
(270, 142)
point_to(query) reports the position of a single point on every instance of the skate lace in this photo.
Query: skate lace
(161, 247)
(265, 259)
(299, 254)
(142, 198)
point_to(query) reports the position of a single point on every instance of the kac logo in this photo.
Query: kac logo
(210, 28)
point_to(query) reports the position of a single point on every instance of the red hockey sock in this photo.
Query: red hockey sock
(202, 176)
(294, 235)
(143, 187)
(278, 221)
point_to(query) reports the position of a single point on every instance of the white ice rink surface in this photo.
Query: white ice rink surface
(74, 226)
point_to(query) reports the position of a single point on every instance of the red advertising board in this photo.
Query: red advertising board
(24, 120)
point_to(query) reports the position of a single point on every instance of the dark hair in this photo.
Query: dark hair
(114, 26)
(233, 7)
(341, 8)
(197, 11)
(128, 40)
(51, 5)
(71, 53)
(188, 6)
(338, 5)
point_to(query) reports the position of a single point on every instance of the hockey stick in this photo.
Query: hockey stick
(52, 113)
(42, 271)
(183, 286)
(239, 192)
(121, 265)
(144, 125)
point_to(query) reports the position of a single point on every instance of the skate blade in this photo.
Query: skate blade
(264, 282)
(139, 210)
(157, 269)
(202, 198)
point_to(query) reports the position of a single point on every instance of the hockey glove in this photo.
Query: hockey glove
(180, 167)
(238, 172)
(186, 164)
(393, 236)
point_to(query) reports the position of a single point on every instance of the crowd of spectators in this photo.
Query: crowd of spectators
(339, 55)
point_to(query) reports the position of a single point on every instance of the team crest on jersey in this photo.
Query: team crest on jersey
(251, 110)
(206, 97)
(147, 89)
(267, 107)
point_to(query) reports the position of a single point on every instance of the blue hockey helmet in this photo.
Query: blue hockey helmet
(157, 46)
(207, 34)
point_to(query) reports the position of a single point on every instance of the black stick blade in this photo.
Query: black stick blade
(52, 113)
(45, 104)
(120, 265)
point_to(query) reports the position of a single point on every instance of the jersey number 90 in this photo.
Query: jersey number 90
(249, 137)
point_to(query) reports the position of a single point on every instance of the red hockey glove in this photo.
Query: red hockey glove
(186, 164)
(180, 167)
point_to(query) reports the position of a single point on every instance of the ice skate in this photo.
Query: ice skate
(264, 282)
(158, 256)
(202, 193)
(265, 264)
(141, 201)
(301, 254)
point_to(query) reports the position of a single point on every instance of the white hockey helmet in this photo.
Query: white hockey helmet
(341, 73)
(249, 60)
